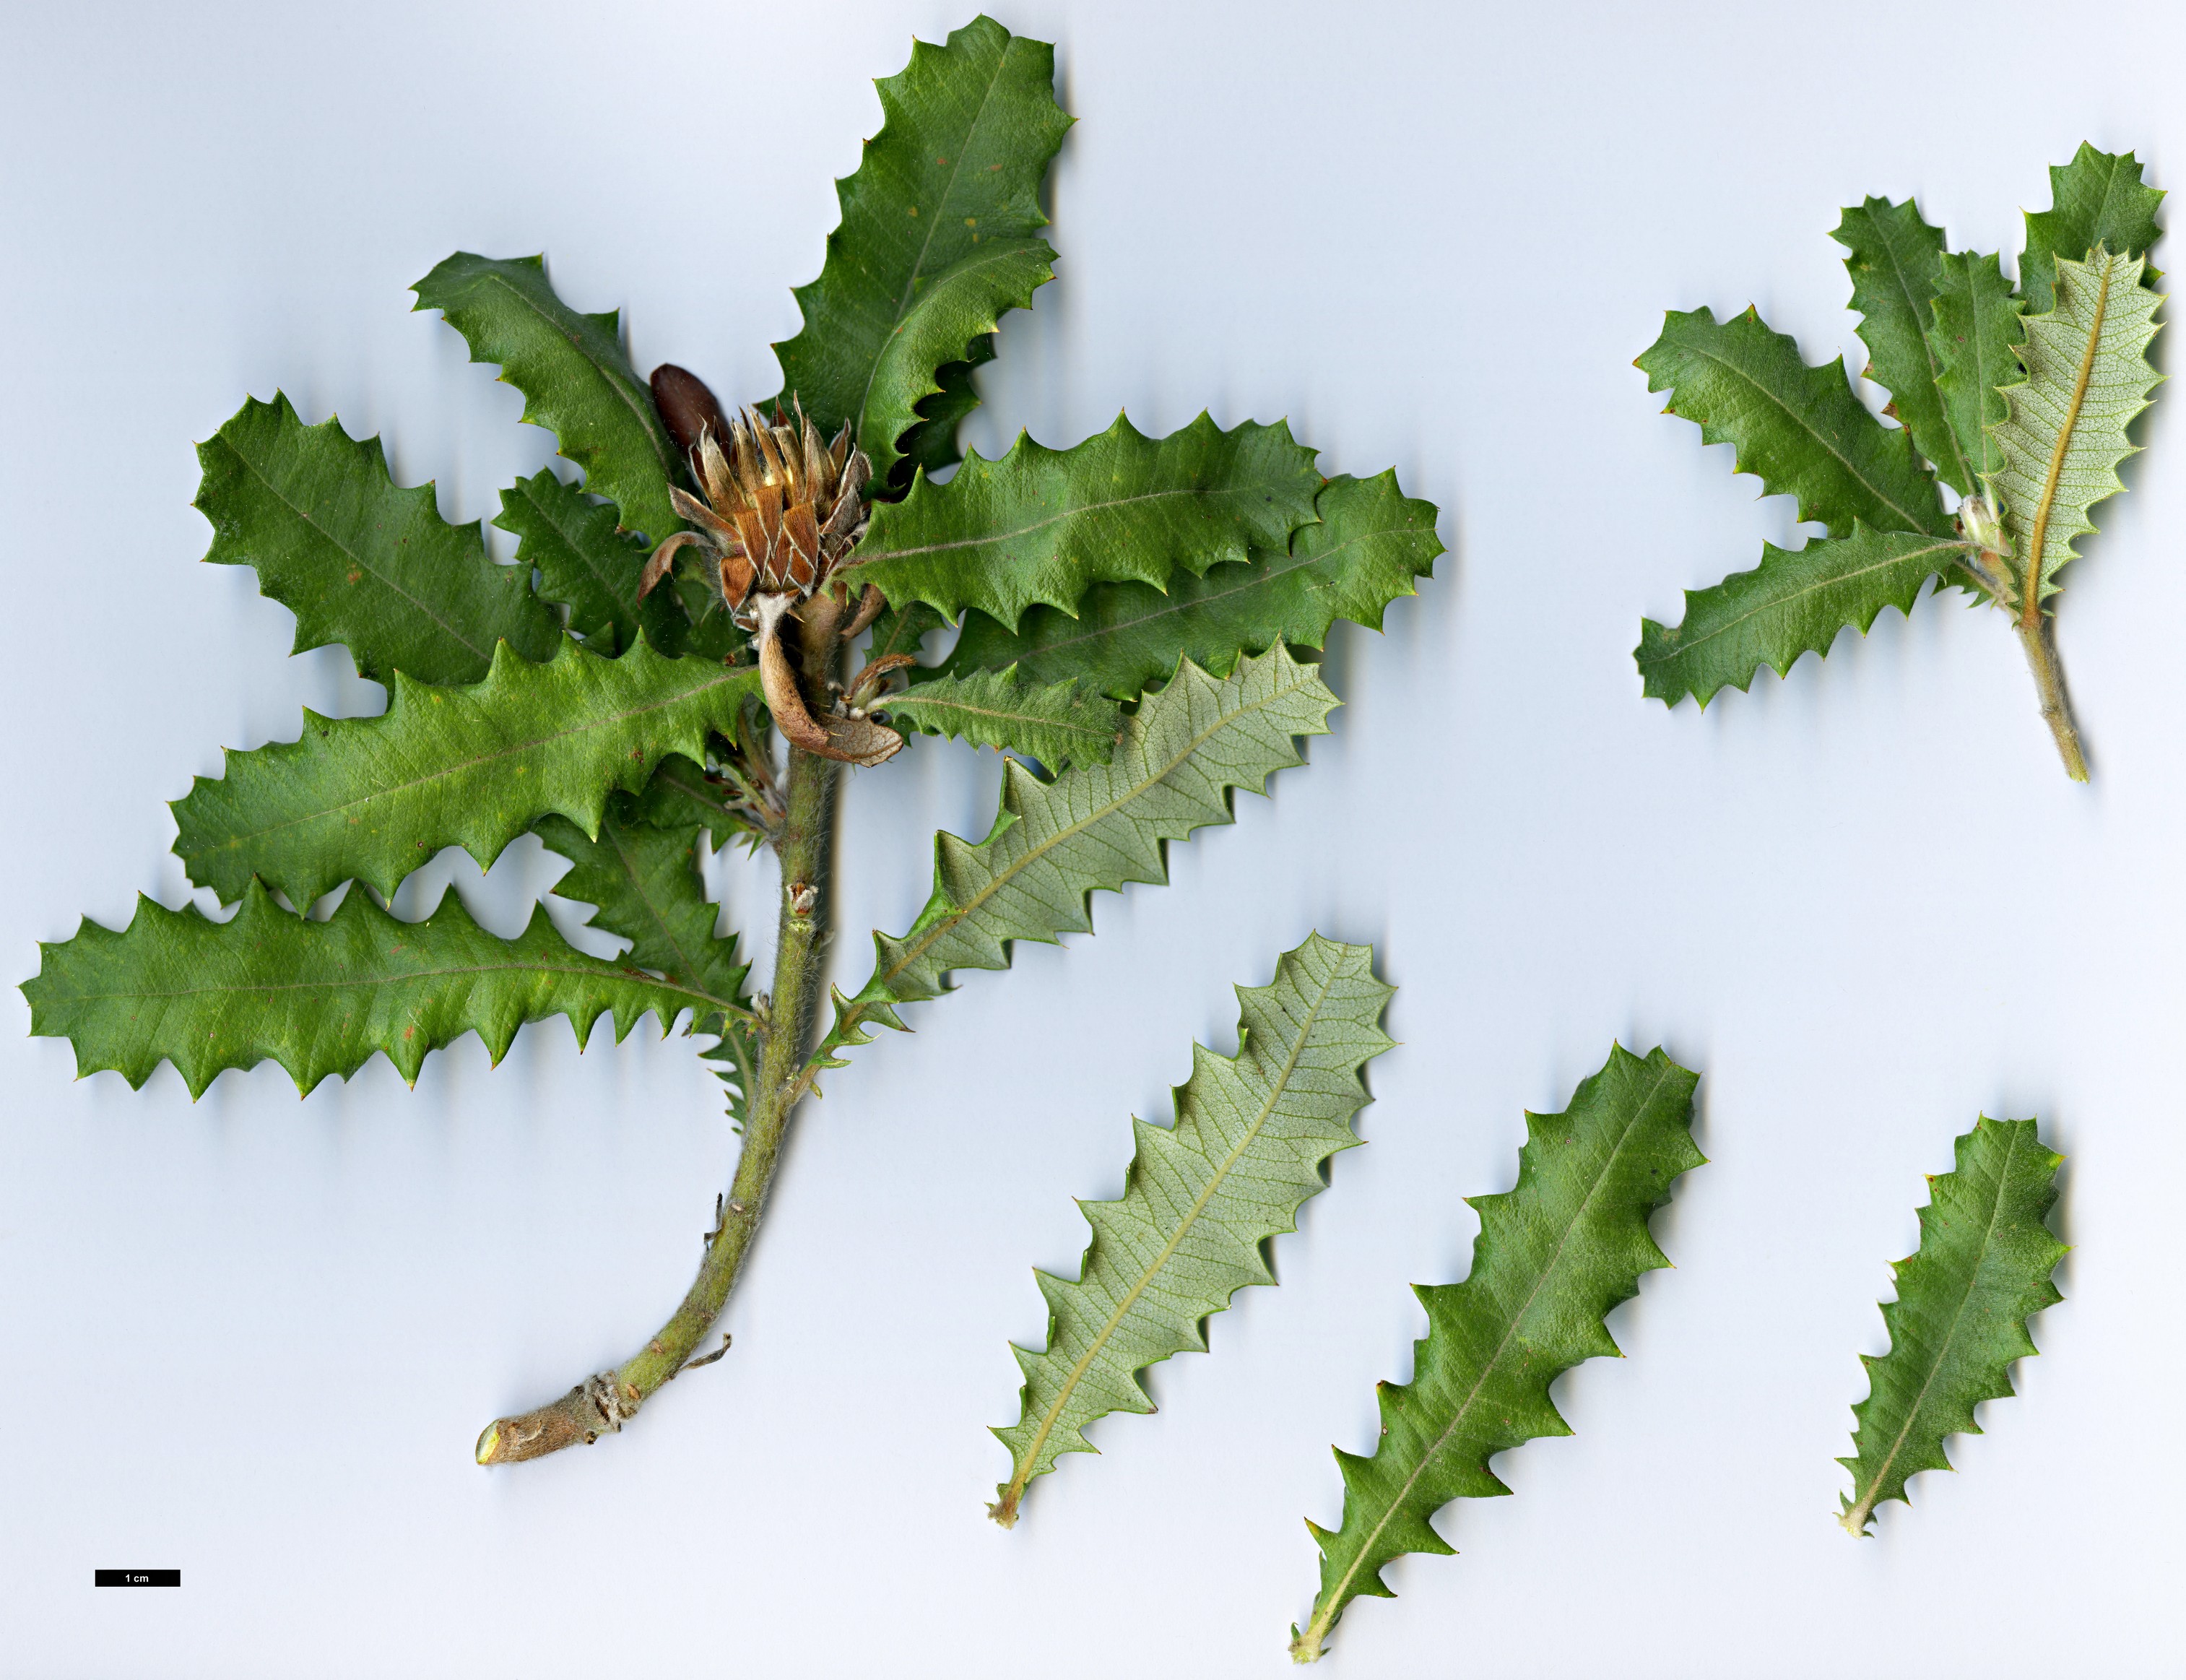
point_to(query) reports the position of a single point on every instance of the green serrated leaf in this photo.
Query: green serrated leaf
(1553, 1256)
(1044, 525)
(1795, 602)
(1200, 1199)
(932, 445)
(1053, 723)
(1895, 260)
(577, 379)
(682, 795)
(1367, 545)
(320, 998)
(372, 798)
(900, 630)
(1975, 332)
(359, 560)
(645, 886)
(2064, 432)
(2096, 199)
(1800, 429)
(1961, 1316)
(588, 564)
(953, 174)
(1094, 828)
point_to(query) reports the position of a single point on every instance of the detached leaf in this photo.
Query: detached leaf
(1368, 544)
(1053, 724)
(1795, 602)
(359, 560)
(2096, 199)
(1961, 1316)
(1975, 330)
(1553, 1256)
(1201, 1201)
(1800, 429)
(953, 175)
(372, 798)
(577, 379)
(2065, 429)
(1044, 525)
(1896, 263)
(320, 998)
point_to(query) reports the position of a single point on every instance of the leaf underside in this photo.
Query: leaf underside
(359, 560)
(320, 998)
(1096, 827)
(372, 798)
(937, 239)
(1553, 1256)
(1054, 723)
(1960, 1320)
(1200, 1199)
(1044, 525)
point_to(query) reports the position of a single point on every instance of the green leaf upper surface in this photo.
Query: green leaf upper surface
(1044, 525)
(2096, 199)
(932, 445)
(1795, 602)
(1053, 723)
(1974, 334)
(1095, 827)
(1368, 544)
(372, 798)
(1961, 1316)
(1800, 429)
(953, 174)
(682, 796)
(589, 565)
(1200, 1199)
(359, 560)
(1553, 1256)
(1895, 262)
(577, 379)
(2064, 432)
(320, 998)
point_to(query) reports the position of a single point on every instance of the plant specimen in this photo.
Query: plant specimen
(1555, 1253)
(1963, 1299)
(2017, 401)
(1128, 609)
(1203, 1199)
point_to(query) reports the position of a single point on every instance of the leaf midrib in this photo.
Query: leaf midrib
(937, 703)
(1928, 353)
(995, 538)
(2039, 570)
(1685, 648)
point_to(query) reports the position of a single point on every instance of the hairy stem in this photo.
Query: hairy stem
(2039, 640)
(602, 1404)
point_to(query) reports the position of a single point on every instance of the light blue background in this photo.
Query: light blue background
(255, 1339)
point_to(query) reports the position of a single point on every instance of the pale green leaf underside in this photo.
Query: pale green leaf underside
(359, 560)
(1096, 827)
(2096, 199)
(577, 379)
(372, 798)
(1044, 525)
(1975, 331)
(1553, 1256)
(1795, 602)
(1895, 258)
(1961, 1316)
(954, 173)
(1053, 722)
(2064, 432)
(1365, 547)
(1200, 1199)
(320, 998)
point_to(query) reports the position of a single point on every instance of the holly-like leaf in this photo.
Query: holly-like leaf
(321, 998)
(1800, 429)
(682, 795)
(1368, 544)
(644, 884)
(1201, 1199)
(932, 445)
(937, 240)
(2096, 199)
(1553, 1256)
(1094, 828)
(1895, 260)
(358, 560)
(1961, 1316)
(1052, 722)
(2064, 431)
(900, 630)
(576, 379)
(1975, 332)
(372, 798)
(1795, 602)
(1044, 525)
(588, 564)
